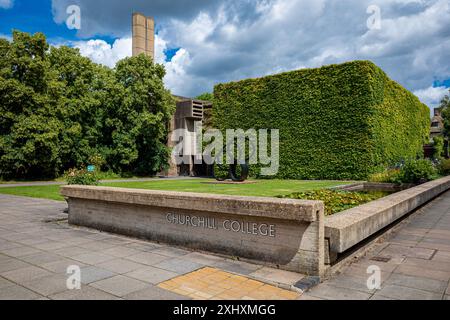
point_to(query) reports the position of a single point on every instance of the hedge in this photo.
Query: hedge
(336, 122)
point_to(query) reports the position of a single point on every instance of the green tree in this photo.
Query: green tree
(206, 97)
(29, 99)
(438, 143)
(57, 109)
(445, 111)
(139, 124)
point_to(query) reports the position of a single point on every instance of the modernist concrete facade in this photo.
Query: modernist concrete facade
(188, 110)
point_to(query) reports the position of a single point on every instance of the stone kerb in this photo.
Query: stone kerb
(280, 232)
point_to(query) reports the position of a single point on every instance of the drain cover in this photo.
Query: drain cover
(381, 259)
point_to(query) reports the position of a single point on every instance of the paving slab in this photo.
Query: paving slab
(421, 272)
(5, 283)
(121, 252)
(48, 285)
(12, 264)
(151, 275)
(396, 250)
(277, 276)
(120, 266)
(201, 258)
(16, 292)
(71, 252)
(351, 283)
(93, 274)
(171, 252)
(85, 293)
(179, 266)
(214, 284)
(155, 293)
(238, 267)
(420, 283)
(428, 264)
(21, 251)
(120, 285)
(329, 292)
(93, 258)
(25, 274)
(147, 258)
(41, 258)
(61, 266)
(405, 293)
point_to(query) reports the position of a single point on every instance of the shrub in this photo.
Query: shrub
(97, 161)
(221, 171)
(438, 143)
(387, 176)
(81, 177)
(336, 122)
(417, 171)
(444, 167)
(335, 200)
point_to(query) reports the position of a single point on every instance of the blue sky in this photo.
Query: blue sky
(36, 16)
(205, 42)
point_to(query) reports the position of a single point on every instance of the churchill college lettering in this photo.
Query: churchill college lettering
(250, 228)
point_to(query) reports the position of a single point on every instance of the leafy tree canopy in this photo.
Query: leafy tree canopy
(58, 109)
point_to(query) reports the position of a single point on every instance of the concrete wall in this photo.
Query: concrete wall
(143, 35)
(280, 232)
(348, 228)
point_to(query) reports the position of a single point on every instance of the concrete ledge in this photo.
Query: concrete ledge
(286, 209)
(278, 232)
(348, 228)
(375, 186)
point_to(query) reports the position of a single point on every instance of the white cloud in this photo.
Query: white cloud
(226, 40)
(432, 96)
(6, 4)
(101, 52)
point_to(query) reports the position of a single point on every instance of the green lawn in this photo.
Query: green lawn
(262, 188)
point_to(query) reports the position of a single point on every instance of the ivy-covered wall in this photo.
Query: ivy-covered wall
(336, 122)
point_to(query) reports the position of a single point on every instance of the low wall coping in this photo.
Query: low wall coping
(286, 209)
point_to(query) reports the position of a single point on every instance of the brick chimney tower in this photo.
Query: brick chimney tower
(143, 35)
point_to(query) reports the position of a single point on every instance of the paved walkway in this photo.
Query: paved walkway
(37, 246)
(414, 262)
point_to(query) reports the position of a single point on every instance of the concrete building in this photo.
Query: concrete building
(437, 124)
(188, 110)
(187, 113)
(437, 129)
